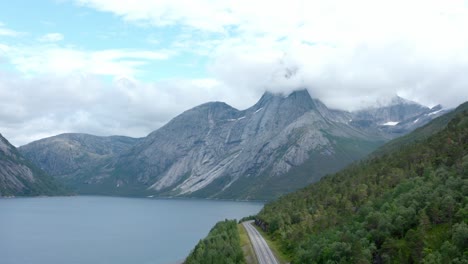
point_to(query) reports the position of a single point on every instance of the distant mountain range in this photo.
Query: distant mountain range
(397, 118)
(19, 177)
(214, 150)
(70, 157)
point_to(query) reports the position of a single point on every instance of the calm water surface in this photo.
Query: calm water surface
(89, 229)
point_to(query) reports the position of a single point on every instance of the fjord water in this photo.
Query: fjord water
(93, 229)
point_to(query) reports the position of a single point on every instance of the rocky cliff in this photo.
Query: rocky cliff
(281, 143)
(18, 177)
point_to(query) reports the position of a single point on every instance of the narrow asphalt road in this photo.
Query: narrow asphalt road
(262, 250)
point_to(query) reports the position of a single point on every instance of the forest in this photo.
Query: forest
(407, 205)
(221, 246)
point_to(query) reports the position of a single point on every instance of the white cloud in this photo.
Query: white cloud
(51, 37)
(39, 107)
(340, 50)
(168, 12)
(4, 31)
(347, 53)
(58, 60)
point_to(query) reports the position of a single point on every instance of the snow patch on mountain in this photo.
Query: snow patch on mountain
(435, 112)
(390, 123)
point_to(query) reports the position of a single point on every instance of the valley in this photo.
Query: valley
(233, 132)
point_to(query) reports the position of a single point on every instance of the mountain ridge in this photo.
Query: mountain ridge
(215, 150)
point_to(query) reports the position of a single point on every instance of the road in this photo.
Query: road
(262, 250)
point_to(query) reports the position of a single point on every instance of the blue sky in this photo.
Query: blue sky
(127, 67)
(84, 28)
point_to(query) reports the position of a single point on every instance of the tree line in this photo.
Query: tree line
(221, 246)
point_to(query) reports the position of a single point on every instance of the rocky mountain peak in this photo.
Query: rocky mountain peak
(300, 98)
(5, 146)
(397, 100)
(201, 116)
(266, 98)
(214, 106)
(2, 143)
(396, 117)
(215, 150)
(300, 93)
(436, 108)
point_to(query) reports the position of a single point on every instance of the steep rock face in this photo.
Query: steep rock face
(18, 177)
(213, 149)
(68, 155)
(276, 146)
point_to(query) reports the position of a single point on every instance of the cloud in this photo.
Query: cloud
(4, 31)
(51, 37)
(44, 106)
(62, 60)
(167, 12)
(347, 53)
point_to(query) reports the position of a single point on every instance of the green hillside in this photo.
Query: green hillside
(221, 246)
(407, 204)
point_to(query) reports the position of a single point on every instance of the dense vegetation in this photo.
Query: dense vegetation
(407, 205)
(221, 246)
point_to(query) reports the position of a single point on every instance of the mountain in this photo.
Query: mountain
(396, 118)
(216, 151)
(422, 132)
(72, 156)
(407, 205)
(276, 146)
(18, 177)
(396, 110)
